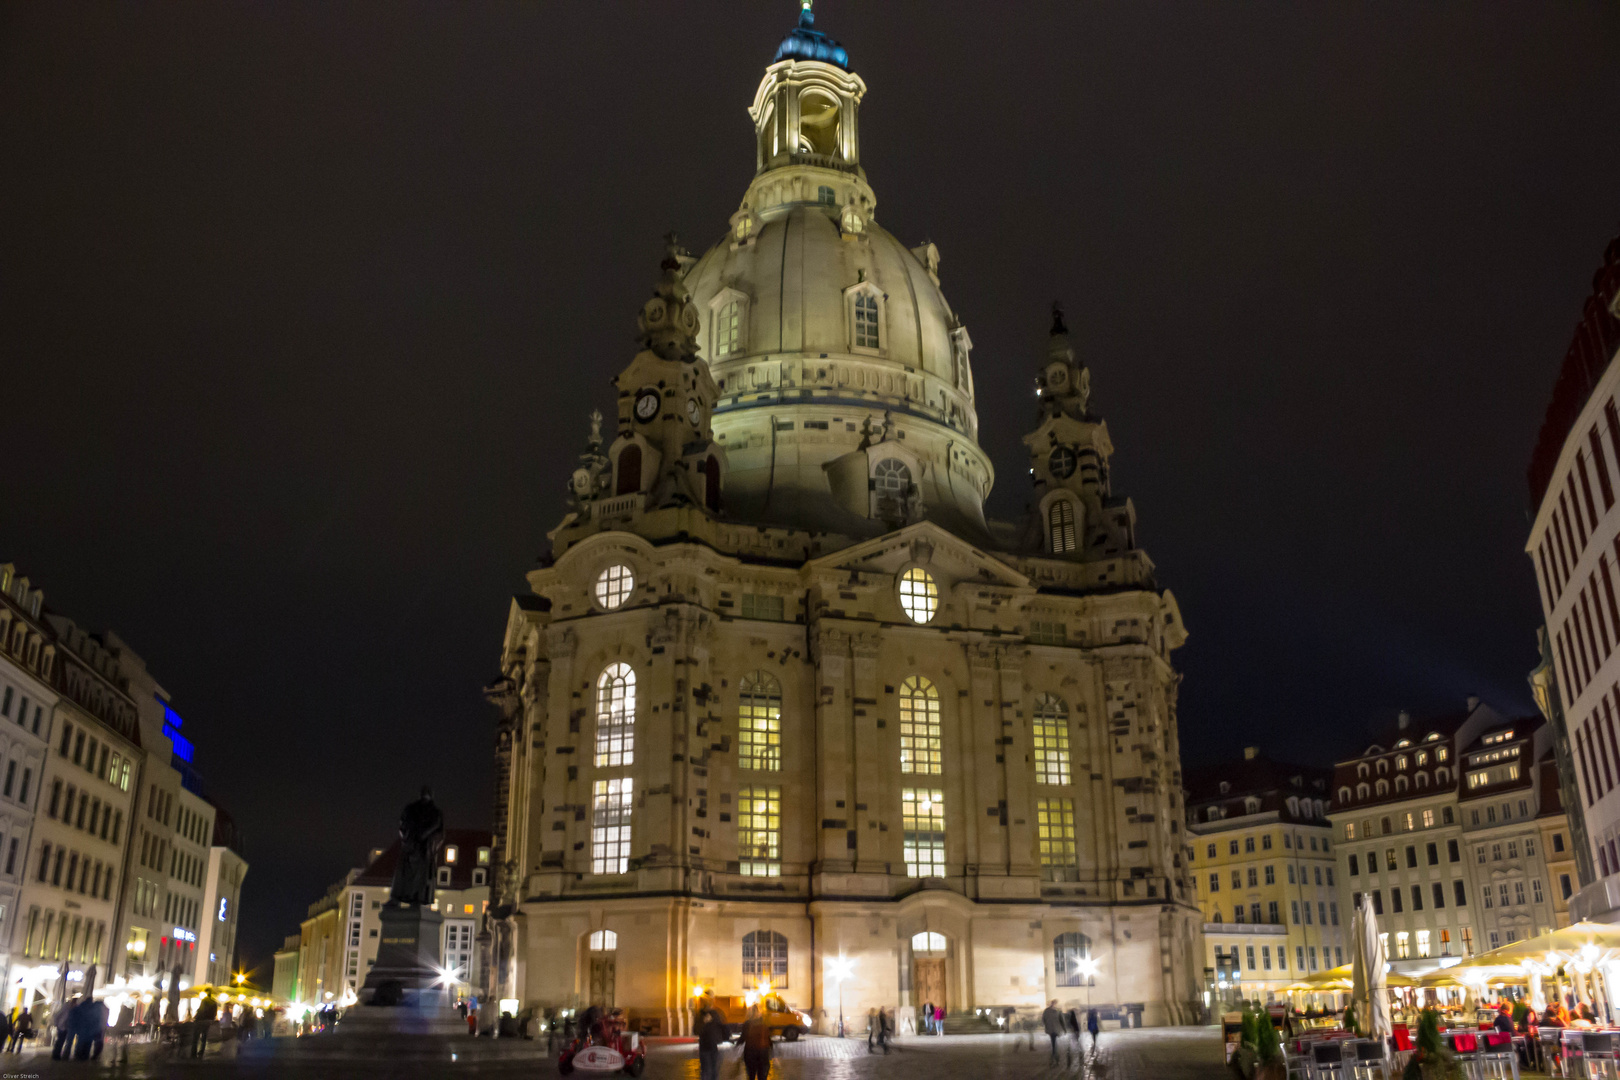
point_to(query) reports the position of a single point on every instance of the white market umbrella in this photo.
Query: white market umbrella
(1368, 988)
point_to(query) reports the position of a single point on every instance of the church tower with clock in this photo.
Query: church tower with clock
(783, 712)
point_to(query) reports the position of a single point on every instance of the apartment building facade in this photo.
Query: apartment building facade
(1574, 549)
(1260, 846)
(28, 700)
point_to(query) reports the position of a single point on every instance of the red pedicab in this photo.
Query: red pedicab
(604, 1046)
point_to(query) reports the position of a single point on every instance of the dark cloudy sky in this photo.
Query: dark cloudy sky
(302, 307)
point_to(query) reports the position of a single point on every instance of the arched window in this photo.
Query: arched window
(1361, 769)
(866, 322)
(920, 742)
(1422, 779)
(1383, 765)
(1383, 787)
(1400, 762)
(891, 477)
(1060, 526)
(1344, 794)
(1051, 731)
(928, 941)
(1442, 776)
(1401, 783)
(615, 716)
(818, 123)
(1071, 959)
(629, 470)
(765, 959)
(604, 941)
(711, 483)
(727, 328)
(759, 722)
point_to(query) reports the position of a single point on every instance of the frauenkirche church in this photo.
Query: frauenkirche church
(782, 706)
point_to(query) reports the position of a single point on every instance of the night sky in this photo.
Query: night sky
(303, 306)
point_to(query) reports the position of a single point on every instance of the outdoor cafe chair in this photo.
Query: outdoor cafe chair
(1400, 1049)
(1598, 1054)
(1465, 1045)
(1572, 1053)
(1498, 1057)
(1327, 1061)
(1371, 1060)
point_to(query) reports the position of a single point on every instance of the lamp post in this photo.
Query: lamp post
(1088, 971)
(839, 968)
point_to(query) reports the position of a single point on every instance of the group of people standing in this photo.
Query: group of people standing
(1057, 1023)
(755, 1039)
(932, 1017)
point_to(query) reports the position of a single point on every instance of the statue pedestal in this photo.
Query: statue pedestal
(408, 961)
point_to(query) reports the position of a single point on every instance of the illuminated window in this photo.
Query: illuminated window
(928, 942)
(1051, 730)
(1403, 945)
(1060, 526)
(919, 596)
(759, 722)
(759, 831)
(1054, 826)
(727, 323)
(866, 322)
(1069, 954)
(604, 941)
(765, 958)
(610, 826)
(483, 856)
(613, 586)
(922, 824)
(920, 742)
(450, 853)
(615, 716)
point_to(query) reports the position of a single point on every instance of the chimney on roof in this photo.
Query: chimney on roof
(1473, 702)
(1250, 753)
(1404, 720)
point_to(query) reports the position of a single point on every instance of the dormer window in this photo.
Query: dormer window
(444, 875)
(1225, 787)
(478, 876)
(866, 322)
(450, 853)
(1400, 762)
(1361, 769)
(483, 856)
(725, 329)
(1251, 806)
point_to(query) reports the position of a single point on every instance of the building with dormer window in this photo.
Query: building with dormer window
(780, 693)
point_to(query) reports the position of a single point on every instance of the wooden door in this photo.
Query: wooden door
(602, 981)
(929, 984)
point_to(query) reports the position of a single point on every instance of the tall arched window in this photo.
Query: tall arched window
(1051, 730)
(765, 959)
(629, 470)
(727, 324)
(920, 742)
(866, 322)
(616, 716)
(1060, 526)
(1071, 952)
(759, 722)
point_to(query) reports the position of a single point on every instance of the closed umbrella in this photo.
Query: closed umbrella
(1367, 973)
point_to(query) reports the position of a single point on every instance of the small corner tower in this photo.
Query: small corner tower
(665, 449)
(1069, 452)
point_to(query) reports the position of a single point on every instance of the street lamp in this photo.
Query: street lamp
(838, 969)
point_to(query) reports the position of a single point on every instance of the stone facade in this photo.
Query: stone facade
(782, 705)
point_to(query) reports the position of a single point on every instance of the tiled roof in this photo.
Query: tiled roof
(465, 841)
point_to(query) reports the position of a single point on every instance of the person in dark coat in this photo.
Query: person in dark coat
(885, 1028)
(21, 1032)
(711, 1033)
(873, 1026)
(89, 1029)
(201, 1021)
(63, 1021)
(1093, 1025)
(1052, 1024)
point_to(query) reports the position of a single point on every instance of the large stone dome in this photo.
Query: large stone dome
(827, 337)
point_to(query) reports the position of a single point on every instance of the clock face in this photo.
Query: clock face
(646, 405)
(694, 411)
(1062, 462)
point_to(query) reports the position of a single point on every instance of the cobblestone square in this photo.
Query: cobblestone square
(1147, 1054)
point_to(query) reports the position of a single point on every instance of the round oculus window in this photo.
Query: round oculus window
(1062, 462)
(919, 596)
(646, 405)
(613, 586)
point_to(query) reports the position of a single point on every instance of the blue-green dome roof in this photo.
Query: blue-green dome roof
(805, 42)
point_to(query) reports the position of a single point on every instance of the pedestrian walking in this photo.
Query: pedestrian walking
(885, 1028)
(756, 1046)
(1093, 1025)
(873, 1025)
(711, 1034)
(939, 1019)
(928, 1017)
(22, 1032)
(1071, 1027)
(201, 1021)
(1052, 1022)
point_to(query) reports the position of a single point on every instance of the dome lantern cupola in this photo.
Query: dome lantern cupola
(805, 109)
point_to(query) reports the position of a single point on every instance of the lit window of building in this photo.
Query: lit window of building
(922, 823)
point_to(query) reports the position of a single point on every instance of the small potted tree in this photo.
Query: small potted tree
(1270, 1062)
(1431, 1060)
